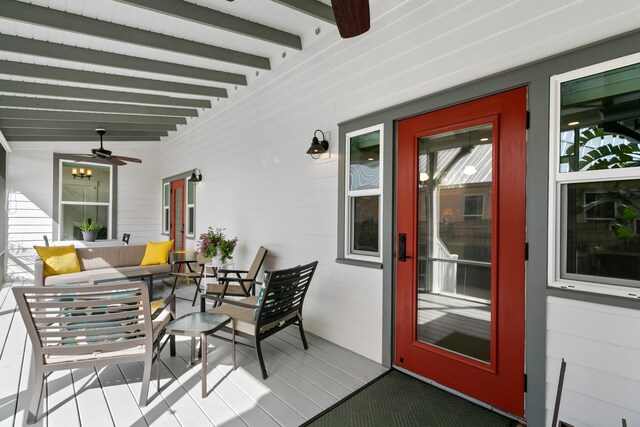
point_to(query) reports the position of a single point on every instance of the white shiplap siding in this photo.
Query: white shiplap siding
(30, 197)
(259, 184)
(601, 345)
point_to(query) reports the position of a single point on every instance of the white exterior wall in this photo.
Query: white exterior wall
(30, 197)
(601, 345)
(259, 184)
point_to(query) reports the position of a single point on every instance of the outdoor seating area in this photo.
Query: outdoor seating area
(106, 390)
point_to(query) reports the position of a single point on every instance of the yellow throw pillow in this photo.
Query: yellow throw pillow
(156, 253)
(58, 259)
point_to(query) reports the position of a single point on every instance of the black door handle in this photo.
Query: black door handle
(402, 247)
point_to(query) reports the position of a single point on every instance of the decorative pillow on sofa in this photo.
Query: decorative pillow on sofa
(58, 259)
(157, 253)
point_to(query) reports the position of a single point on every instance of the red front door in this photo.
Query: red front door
(177, 214)
(461, 248)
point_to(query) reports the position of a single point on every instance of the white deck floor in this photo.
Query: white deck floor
(300, 385)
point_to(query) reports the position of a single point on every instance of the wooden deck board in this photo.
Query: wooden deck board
(62, 407)
(214, 406)
(92, 405)
(300, 385)
(261, 394)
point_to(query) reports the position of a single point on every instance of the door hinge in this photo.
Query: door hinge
(526, 251)
(528, 119)
(525, 383)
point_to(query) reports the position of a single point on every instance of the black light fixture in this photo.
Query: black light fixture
(82, 173)
(318, 147)
(196, 176)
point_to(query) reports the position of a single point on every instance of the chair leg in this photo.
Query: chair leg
(304, 339)
(196, 294)
(146, 378)
(260, 359)
(172, 345)
(175, 282)
(38, 384)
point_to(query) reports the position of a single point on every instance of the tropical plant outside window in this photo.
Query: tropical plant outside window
(599, 190)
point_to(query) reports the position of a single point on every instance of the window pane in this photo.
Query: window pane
(90, 184)
(600, 224)
(76, 213)
(191, 191)
(165, 224)
(365, 220)
(473, 206)
(364, 158)
(190, 214)
(599, 126)
(167, 195)
(453, 277)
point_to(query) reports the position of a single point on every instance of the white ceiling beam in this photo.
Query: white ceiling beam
(5, 144)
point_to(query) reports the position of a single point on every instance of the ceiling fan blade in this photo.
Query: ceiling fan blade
(115, 161)
(352, 17)
(128, 159)
(89, 156)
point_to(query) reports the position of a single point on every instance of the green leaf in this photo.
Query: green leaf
(627, 212)
(611, 156)
(622, 232)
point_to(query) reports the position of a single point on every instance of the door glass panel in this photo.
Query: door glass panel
(454, 241)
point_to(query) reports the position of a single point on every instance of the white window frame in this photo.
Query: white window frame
(188, 206)
(617, 286)
(61, 202)
(349, 195)
(166, 208)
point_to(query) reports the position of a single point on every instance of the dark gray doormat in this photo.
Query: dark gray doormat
(396, 399)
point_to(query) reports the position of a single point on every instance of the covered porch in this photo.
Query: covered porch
(301, 383)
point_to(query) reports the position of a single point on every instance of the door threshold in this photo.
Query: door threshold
(463, 396)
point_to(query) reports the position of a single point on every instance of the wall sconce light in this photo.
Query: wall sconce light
(196, 176)
(318, 147)
(82, 173)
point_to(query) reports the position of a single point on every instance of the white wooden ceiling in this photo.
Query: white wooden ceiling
(47, 42)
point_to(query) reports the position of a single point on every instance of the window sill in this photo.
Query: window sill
(359, 263)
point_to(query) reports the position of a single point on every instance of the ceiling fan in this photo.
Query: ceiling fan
(352, 17)
(102, 153)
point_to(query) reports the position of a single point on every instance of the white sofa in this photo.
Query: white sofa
(101, 260)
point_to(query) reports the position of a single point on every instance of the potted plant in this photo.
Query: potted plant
(215, 245)
(89, 229)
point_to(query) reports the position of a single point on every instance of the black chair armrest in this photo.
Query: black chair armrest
(235, 279)
(225, 271)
